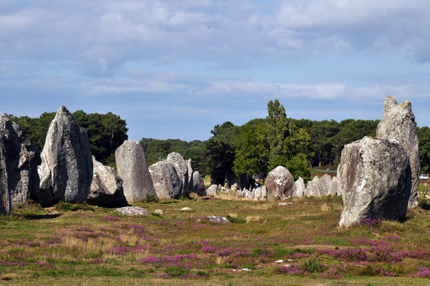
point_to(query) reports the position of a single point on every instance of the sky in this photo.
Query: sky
(175, 69)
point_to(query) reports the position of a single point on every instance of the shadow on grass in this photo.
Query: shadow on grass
(425, 206)
(37, 217)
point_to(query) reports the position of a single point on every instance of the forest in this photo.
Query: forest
(255, 147)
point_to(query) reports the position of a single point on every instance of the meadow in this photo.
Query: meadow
(265, 243)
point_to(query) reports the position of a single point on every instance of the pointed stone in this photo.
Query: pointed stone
(67, 154)
(398, 123)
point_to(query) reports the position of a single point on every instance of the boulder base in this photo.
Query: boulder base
(375, 180)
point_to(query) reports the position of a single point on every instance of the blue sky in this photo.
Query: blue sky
(174, 69)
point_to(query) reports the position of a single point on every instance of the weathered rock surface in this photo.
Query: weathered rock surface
(212, 190)
(67, 155)
(257, 194)
(299, 187)
(375, 180)
(18, 166)
(166, 180)
(133, 170)
(132, 211)
(198, 184)
(46, 196)
(181, 168)
(280, 183)
(399, 123)
(106, 189)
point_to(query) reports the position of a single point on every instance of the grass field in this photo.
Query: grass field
(264, 244)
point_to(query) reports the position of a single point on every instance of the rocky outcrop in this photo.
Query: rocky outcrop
(279, 183)
(375, 180)
(198, 184)
(133, 170)
(18, 166)
(299, 188)
(106, 189)
(181, 168)
(67, 155)
(399, 123)
(166, 180)
(212, 190)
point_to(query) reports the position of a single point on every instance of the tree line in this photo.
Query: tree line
(256, 147)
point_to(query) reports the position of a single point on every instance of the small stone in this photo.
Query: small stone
(187, 209)
(132, 211)
(279, 261)
(160, 212)
(218, 219)
(246, 269)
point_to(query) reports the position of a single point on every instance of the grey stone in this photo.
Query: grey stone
(375, 180)
(67, 154)
(234, 187)
(181, 168)
(399, 123)
(324, 185)
(212, 190)
(264, 192)
(160, 212)
(46, 197)
(167, 181)
(318, 187)
(279, 183)
(217, 219)
(190, 175)
(334, 187)
(18, 166)
(106, 189)
(198, 184)
(133, 170)
(132, 211)
(299, 187)
(257, 194)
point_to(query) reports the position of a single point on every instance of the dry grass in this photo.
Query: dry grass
(252, 218)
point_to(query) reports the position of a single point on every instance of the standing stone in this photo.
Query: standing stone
(257, 195)
(167, 182)
(324, 185)
(181, 168)
(334, 187)
(198, 184)
(299, 187)
(18, 166)
(312, 188)
(190, 175)
(264, 192)
(399, 123)
(133, 170)
(234, 188)
(280, 183)
(67, 155)
(212, 190)
(375, 178)
(106, 189)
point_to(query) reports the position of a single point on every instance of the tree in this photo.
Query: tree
(424, 147)
(252, 150)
